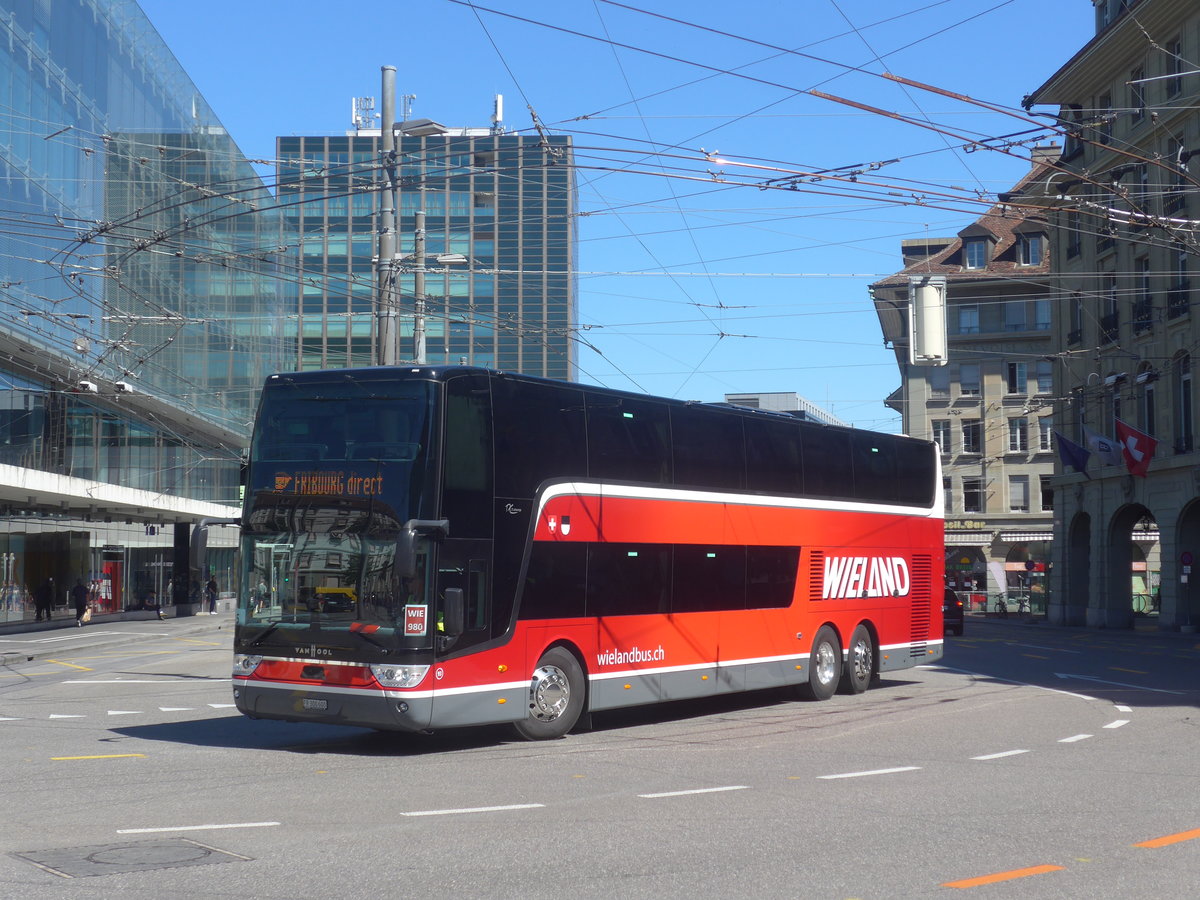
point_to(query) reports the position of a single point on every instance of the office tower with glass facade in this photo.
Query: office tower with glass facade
(498, 256)
(139, 308)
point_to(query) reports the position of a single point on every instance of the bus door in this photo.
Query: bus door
(465, 564)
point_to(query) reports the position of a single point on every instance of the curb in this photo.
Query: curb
(1040, 622)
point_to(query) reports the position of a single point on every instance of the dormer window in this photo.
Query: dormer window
(975, 253)
(1030, 249)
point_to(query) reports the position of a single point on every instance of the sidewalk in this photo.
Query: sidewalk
(31, 640)
(1144, 627)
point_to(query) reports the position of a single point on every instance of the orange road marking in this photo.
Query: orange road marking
(1002, 876)
(1171, 839)
(59, 662)
(108, 756)
(1131, 671)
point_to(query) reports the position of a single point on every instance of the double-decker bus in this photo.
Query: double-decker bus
(427, 547)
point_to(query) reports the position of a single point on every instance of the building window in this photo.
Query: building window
(975, 253)
(1143, 309)
(1045, 434)
(1075, 335)
(972, 495)
(1176, 185)
(968, 320)
(939, 381)
(948, 494)
(941, 434)
(1018, 493)
(968, 379)
(1018, 435)
(1174, 67)
(1014, 316)
(1047, 493)
(1029, 249)
(1183, 403)
(1137, 93)
(1074, 233)
(1110, 321)
(1018, 378)
(1044, 374)
(1041, 315)
(1104, 106)
(972, 436)
(1148, 415)
(1179, 299)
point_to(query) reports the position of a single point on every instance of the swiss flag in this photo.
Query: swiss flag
(1136, 447)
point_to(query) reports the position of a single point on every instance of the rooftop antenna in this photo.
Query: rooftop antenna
(362, 112)
(498, 115)
(406, 103)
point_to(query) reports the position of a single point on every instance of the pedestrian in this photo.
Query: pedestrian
(151, 602)
(79, 596)
(210, 595)
(43, 599)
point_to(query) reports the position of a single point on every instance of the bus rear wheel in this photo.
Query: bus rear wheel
(556, 694)
(824, 665)
(860, 662)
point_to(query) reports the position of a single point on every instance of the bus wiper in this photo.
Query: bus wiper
(262, 635)
(369, 639)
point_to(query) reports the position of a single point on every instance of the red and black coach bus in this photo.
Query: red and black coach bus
(428, 547)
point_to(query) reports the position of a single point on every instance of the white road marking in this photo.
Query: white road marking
(1000, 755)
(176, 708)
(67, 636)
(1123, 708)
(871, 772)
(473, 809)
(121, 681)
(1073, 738)
(1011, 681)
(8, 719)
(222, 705)
(196, 827)
(1040, 647)
(65, 716)
(716, 790)
(1136, 687)
(124, 712)
(1117, 724)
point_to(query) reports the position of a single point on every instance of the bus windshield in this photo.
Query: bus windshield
(335, 581)
(335, 473)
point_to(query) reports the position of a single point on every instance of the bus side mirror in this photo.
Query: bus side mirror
(406, 543)
(453, 613)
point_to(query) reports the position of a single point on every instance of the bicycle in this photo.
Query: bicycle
(1001, 607)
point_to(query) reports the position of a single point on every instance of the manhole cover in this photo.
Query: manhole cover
(111, 859)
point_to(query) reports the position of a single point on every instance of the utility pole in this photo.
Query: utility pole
(388, 331)
(419, 282)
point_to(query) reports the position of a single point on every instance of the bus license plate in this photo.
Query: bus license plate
(321, 705)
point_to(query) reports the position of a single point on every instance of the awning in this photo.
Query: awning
(1025, 537)
(968, 538)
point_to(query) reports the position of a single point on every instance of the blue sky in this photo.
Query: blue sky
(703, 272)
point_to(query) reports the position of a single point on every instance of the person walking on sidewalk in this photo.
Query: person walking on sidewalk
(43, 599)
(210, 595)
(79, 596)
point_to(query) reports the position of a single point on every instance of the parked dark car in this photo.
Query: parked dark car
(952, 612)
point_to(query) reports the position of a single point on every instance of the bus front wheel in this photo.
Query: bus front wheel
(824, 665)
(555, 696)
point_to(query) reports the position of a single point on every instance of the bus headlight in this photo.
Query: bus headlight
(245, 664)
(393, 676)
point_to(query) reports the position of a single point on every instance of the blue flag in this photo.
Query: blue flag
(1073, 455)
